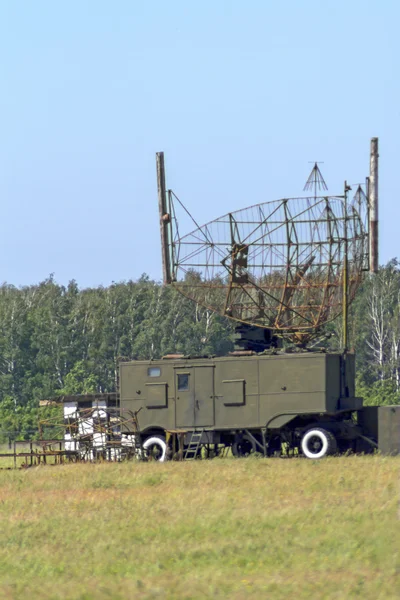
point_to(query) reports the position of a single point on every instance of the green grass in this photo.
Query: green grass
(203, 529)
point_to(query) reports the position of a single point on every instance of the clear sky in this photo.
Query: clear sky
(239, 95)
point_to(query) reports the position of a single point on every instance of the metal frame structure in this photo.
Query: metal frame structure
(84, 434)
(97, 432)
(37, 452)
(290, 265)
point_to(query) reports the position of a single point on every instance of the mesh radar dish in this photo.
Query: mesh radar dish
(288, 266)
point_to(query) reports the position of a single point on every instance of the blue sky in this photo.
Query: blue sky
(239, 95)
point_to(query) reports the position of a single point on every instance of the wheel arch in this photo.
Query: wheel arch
(151, 431)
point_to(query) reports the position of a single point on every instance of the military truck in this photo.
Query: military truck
(253, 403)
(274, 404)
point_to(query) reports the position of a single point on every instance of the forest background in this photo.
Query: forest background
(58, 340)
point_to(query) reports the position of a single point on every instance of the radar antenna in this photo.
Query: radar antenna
(315, 181)
(279, 269)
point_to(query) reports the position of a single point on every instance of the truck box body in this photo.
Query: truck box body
(237, 391)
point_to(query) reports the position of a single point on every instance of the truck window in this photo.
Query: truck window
(154, 371)
(183, 382)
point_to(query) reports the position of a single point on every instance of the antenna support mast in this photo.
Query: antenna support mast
(165, 218)
(373, 199)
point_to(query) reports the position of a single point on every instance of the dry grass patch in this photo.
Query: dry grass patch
(222, 529)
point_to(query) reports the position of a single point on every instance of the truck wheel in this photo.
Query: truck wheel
(156, 448)
(274, 446)
(317, 443)
(244, 446)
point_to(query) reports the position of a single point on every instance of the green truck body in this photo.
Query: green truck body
(238, 392)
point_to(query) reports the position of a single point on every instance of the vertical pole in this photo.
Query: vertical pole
(373, 197)
(368, 220)
(165, 217)
(345, 273)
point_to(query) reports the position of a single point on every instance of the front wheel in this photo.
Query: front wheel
(156, 448)
(317, 443)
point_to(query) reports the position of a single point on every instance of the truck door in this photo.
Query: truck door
(194, 396)
(184, 394)
(204, 396)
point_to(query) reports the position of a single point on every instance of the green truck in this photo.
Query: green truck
(255, 403)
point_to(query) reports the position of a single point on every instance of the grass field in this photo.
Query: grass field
(204, 529)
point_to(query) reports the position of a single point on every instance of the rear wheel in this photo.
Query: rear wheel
(274, 447)
(156, 448)
(317, 443)
(244, 446)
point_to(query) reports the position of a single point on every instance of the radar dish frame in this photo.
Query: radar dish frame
(290, 266)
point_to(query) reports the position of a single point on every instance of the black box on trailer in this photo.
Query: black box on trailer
(382, 423)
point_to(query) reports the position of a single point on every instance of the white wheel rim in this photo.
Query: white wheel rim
(304, 444)
(155, 441)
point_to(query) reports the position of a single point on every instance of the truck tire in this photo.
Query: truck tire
(274, 446)
(156, 448)
(317, 443)
(244, 446)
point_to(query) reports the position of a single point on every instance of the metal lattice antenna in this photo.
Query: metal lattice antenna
(315, 181)
(277, 265)
(288, 266)
(360, 196)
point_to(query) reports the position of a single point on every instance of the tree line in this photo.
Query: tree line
(58, 339)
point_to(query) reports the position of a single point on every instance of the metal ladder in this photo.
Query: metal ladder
(194, 445)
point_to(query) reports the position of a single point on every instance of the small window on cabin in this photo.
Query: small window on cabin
(154, 371)
(183, 382)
